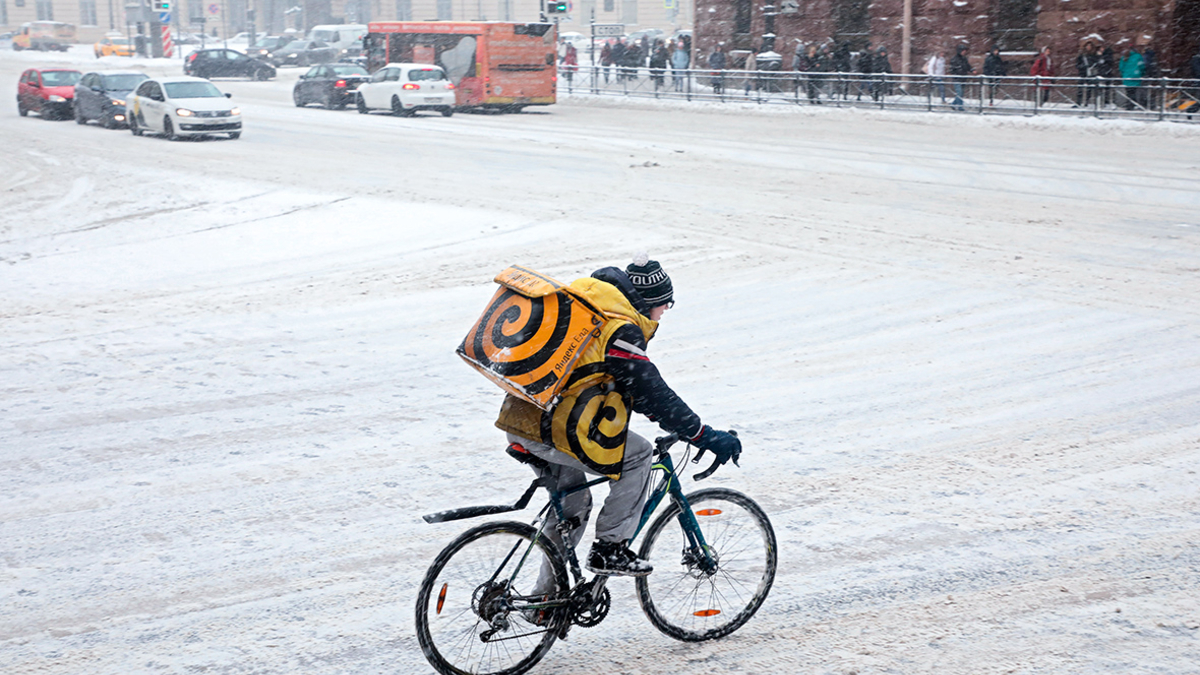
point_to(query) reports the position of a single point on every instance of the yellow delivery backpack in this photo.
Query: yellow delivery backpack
(530, 335)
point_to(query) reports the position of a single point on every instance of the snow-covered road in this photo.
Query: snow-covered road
(963, 354)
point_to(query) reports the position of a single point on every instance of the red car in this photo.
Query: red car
(50, 92)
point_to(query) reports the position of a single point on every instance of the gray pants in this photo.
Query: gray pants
(622, 510)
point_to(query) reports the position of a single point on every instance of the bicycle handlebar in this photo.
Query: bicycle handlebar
(663, 445)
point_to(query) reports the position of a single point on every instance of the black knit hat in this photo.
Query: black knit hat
(650, 281)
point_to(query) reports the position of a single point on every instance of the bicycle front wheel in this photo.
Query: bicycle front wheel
(473, 609)
(690, 603)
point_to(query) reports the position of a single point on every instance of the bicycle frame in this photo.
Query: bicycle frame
(669, 484)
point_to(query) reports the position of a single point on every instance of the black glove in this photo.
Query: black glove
(724, 444)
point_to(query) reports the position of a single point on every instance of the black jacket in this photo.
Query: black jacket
(959, 65)
(626, 360)
(995, 66)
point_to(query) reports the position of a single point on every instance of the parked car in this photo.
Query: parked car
(333, 85)
(45, 36)
(338, 35)
(351, 52)
(181, 106)
(101, 97)
(186, 39)
(113, 45)
(405, 88)
(264, 49)
(219, 62)
(304, 53)
(47, 92)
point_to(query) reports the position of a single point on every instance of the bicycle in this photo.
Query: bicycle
(478, 613)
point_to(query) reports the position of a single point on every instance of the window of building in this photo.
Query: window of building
(87, 13)
(404, 10)
(610, 5)
(45, 10)
(852, 23)
(3, 12)
(1014, 25)
(741, 17)
(505, 10)
(445, 10)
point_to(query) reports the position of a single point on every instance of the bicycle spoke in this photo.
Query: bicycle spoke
(683, 600)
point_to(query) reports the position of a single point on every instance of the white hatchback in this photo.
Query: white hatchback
(405, 88)
(181, 106)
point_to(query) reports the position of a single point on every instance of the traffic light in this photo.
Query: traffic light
(555, 7)
(162, 5)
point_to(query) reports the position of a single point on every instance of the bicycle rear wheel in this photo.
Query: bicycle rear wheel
(469, 609)
(686, 602)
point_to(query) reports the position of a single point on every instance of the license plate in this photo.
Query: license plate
(433, 99)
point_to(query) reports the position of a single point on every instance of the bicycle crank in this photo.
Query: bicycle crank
(589, 605)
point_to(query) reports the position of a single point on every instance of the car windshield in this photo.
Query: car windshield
(426, 74)
(272, 43)
(120, 41)
(343, 71)
(297, 46)
(123, 82)
(60, 78)
(192, 90)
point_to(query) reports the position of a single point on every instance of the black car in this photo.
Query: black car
(304, 53)
(210, 63)
(101, 97)
(332, 85)
(264, 48)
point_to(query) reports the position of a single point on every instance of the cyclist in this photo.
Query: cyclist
(588, 430)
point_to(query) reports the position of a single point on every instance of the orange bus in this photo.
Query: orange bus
(499, 65)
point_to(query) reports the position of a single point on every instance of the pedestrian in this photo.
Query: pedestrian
(864, 65)
(634, 59)
(960, 68)
(994, 67)
(750, 65)
(1133, 67)
(882, 67)
(1108, 73)
(1150, 72)
(825, 68)
(1195, 64)
(1043, 66)
(680, 61)
(570, 62)
(935, 68)
(717, 63)
(658, 63)
(1087, 67)
(811, 64)
(840, 63)
(606, 58)
(618, 58)
(587, 431)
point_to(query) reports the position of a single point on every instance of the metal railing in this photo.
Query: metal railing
(1151, 99)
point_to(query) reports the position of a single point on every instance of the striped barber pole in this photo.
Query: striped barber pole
(167, 43)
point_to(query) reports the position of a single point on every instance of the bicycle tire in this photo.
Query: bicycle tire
(684, 602)
(449, 623)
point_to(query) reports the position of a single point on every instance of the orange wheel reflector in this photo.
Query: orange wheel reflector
(707, 612)
(441, 598)
(709, 512)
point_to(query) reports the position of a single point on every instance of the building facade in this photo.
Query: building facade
(226, 18)
(1018, 27)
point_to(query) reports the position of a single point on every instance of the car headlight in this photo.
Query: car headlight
(290, 55)
(184, 112)
(55, 98)
(235, 111)
(117, 101)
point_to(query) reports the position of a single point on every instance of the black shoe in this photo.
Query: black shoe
(615, 559)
